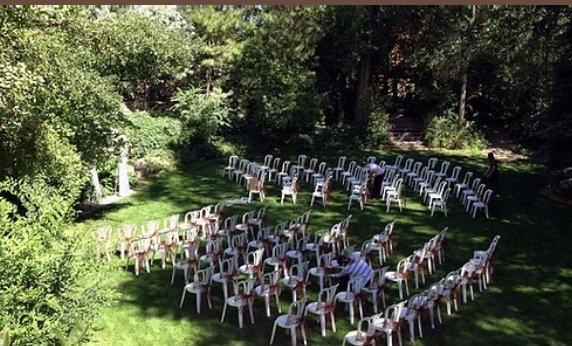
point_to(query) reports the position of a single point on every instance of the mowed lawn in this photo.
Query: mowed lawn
(528, 301)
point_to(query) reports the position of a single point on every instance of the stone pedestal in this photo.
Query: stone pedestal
(123, 180)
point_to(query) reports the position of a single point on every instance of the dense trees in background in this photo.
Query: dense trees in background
(185, 82)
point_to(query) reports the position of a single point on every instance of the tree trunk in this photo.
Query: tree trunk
(97, 193)
(463, 97)
(465, 66)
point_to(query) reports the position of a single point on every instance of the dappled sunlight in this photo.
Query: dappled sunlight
(502, 313)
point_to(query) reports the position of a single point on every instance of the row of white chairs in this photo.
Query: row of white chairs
(411, 312)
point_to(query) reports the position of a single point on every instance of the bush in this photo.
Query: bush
(51, 286)
(445, 131)
(373, 118)
(149, 134)
(202, 116)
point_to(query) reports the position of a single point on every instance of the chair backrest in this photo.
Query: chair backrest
(313, 163)
(127, 231)
(401, 266)
(430, 176)
(142, 244)
(299, 270)
(395, 312)
(389, 175)
(416, 301)
(285, 166)
(321, 168)
(378, 279)
(442, 187)
(294, 182)
(436, 182)
(351, 166)
(271, 278)
(399, 187)
(232, 161)
(247, 217)
(487, 196)
(423, 173)
(239, 240)
(244, 287)
(325, 259)
(494, 244)
(445, 167)
(276, 163)
(417, 167)
(302, 160)
(190, 251)
(342, 162)
(213, 246)
(279, 250)
(476, 183)
(242, 164)
(389, 228)
(408, 164)
(371, 159)
(204, 276)
(345, 224)
(467, 178)
(261, 214)
(229, 266)
(356, 284)
(432, 162)
(267, 160)
(455, 173)
(398, 160)
(481, 189)
(298, 308)
(446, 195)
(190, 217)
(255, 257)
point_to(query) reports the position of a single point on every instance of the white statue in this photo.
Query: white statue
(123, 183)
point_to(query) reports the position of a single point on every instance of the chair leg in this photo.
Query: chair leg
(293, 335)
(223, 312)
(240, 318)
(333, 319)
(323, 324)
(273, 333)
(183, 298)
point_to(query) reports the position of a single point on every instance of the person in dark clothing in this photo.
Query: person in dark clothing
(377, 174)
(491, 176)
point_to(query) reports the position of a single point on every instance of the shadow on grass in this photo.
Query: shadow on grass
(528, 301)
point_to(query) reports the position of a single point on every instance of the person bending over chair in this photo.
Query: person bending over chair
(491, 176)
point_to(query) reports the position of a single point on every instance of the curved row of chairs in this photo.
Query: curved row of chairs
(419, 307)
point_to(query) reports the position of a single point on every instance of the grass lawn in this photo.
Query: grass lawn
(528, 301)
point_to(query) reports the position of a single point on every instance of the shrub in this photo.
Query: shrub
(446, 131)
(51, 286)
(202, 116)
(149, 134)
(373, 118)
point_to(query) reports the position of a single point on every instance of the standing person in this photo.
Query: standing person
(491, 176)
(377, 173)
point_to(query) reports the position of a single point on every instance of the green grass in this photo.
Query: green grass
(528, 301)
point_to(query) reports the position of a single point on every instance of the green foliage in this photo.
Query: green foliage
(373, 118)
(49, 278)
(446, 131)
(49, 124)
(202, 114)
(138, 50)
(149, 134)
(273, 81)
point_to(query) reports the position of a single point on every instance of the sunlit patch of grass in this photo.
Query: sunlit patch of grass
(529, 290)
